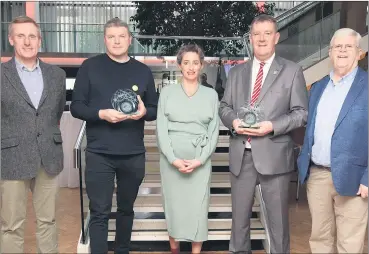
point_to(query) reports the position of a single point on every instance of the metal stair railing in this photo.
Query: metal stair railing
(286, 17)
(77, 158)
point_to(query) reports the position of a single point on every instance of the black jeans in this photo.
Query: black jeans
(101, 169)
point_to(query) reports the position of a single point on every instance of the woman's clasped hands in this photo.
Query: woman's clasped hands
(186, 166)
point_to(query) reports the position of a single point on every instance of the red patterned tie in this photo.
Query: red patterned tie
(257, 88)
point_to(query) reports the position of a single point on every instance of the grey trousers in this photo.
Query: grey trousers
(275, 194)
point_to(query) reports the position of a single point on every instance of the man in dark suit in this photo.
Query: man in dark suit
(32, 103)
(334, 157)
(263, 155)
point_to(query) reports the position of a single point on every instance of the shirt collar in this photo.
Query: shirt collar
(268, 61)
(349, 76)
(22, 67)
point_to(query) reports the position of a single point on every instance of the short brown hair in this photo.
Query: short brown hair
(22, 20)
(264, 18)
(190, 48)
(116, 22)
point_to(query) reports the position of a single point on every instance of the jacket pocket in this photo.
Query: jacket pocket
(58, 138)
(9, 142)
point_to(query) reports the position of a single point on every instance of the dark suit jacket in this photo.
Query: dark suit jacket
(349, 147)
(31, 137)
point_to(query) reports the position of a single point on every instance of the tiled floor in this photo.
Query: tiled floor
(68, 218)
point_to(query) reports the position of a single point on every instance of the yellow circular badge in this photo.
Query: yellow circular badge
(135, 88)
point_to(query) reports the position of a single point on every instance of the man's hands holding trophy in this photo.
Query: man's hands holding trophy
(249, 122)
(112, 115)
(126, 104)
(141, 110)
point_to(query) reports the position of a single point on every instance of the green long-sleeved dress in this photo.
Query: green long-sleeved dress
(187, 128)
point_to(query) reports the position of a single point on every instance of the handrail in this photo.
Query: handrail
(77, 145)
(323, 58)
(176, 37)
(78, 165)
(68, 23)
(291, 47)
(286, 14)
(312, 25)
(305, 6)
(90, 3)
(279, 19)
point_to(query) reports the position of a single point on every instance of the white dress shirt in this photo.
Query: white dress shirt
(254, 73)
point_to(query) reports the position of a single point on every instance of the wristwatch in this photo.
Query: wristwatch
(233, 132)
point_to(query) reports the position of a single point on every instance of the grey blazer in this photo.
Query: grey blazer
(283, 99)
(31, 138)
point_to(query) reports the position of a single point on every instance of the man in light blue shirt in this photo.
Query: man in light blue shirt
(329, 107)
(334, 158)
(32, 80)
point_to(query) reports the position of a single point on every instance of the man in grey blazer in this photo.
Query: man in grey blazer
(32, 103)
(263, 155)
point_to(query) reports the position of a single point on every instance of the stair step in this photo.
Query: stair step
(160, 224)
(153, 180)
(255, 234)
(150, 141)
(153, 203)
(218, 180)
(152, 126)
(216, 157)
(155, 164)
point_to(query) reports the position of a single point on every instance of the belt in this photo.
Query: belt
(248, 149)
(320, 166)
(199, 142)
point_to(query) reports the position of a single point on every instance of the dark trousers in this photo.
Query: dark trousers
(101, 169)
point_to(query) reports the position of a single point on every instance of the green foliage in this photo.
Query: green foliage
(211, 19)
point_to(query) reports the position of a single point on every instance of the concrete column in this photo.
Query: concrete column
(353, 15)
(33, 10)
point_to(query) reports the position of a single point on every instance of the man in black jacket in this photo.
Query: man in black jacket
(115, 146)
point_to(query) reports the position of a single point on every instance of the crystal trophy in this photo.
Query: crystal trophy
(125, 101)
(249, 115)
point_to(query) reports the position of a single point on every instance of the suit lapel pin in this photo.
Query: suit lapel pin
(275, 72)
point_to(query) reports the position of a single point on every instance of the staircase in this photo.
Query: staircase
(309, 47)
(149, 228)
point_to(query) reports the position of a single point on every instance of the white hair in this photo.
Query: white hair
(347, 32)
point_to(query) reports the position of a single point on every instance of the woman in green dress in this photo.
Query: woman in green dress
(187, 133)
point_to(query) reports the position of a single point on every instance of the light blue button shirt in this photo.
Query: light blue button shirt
(32, 81)
(329, 108)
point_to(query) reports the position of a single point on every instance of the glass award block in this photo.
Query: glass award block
(249, 115)
(125, 101)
